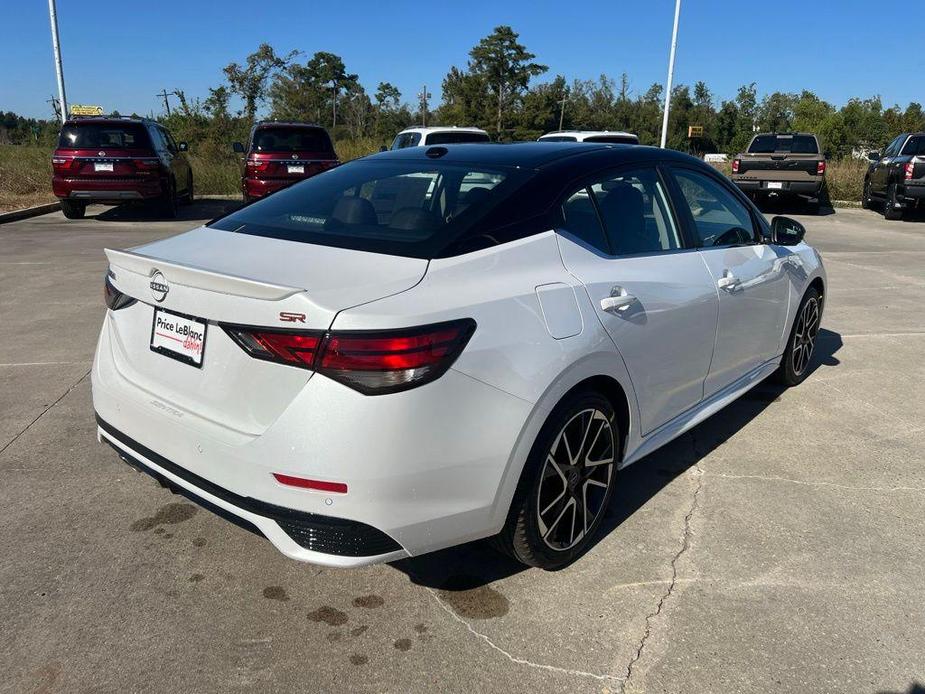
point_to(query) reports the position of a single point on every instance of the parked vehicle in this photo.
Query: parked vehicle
(112, 160)
(373, 364)
(896, 178)
(615, 137)
(426, 137)
(279, 154)
(781, 165)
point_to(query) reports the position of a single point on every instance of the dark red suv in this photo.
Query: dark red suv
(279, 154)
(116, 160)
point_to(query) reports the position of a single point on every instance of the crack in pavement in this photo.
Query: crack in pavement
(685, 545)
(815, 483)
(515, 659)
(44, 412)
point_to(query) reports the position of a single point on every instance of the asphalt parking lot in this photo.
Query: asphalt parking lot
(780, 546)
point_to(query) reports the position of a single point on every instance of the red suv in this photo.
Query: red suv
(116, 160)
(279, 154)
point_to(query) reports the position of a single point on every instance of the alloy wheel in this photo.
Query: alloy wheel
(575, 479)
(804, 337)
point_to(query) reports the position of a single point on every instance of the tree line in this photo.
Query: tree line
(499, 89)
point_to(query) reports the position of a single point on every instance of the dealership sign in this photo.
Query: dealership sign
(84, 110)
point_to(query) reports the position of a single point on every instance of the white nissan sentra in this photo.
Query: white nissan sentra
(434, 345)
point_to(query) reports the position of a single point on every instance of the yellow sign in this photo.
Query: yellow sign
(695, 131)
(83, 110)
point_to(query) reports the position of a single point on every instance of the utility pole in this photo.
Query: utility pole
(164, 94)
(56, 45)
(424, 96)
(56, 105)
(334, 105)
(674, 43)
(562, 110)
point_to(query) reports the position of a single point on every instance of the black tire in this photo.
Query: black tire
(797, 358)
(552, 499)
(866, 201)
(188, 194)
(891, 209)
(168, 203)
(73, 209)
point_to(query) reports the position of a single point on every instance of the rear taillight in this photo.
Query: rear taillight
(735, 165)
(374, 362)
(820, 168)
(146, 164)
(113, 297)
(63, 164)
(908, 169)
(253, 167)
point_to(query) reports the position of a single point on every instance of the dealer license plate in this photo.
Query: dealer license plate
(297, 169)
(775, 185)
(102, 167)
(178, 337)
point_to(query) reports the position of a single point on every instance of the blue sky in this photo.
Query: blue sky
(119, 54)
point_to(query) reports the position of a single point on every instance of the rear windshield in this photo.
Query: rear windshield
(291, 140)
(915, 146)
(614, 139)
(410, 208)
(794, 144)
(455, 138)
(96, 135)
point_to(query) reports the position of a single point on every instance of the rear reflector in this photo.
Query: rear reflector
(373, 362)
(319, 485)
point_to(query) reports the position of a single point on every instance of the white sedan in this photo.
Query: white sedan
(435, 345)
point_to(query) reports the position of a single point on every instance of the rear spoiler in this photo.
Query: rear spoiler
(200, 278)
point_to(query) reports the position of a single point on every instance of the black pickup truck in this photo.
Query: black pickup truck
(896, 177)
(781, 165)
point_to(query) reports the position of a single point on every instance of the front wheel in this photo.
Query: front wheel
(73, 209)
(566, 484)
(865, 196)
(794, 367)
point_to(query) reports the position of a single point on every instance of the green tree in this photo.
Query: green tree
(251, 81)
(505, 66)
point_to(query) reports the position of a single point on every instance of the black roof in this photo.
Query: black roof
(534, 155)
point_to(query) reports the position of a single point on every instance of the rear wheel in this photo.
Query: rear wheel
(891, 207)
(794, 366)
(566, 484)
(168, 203)
(188, 195)
(73, 209)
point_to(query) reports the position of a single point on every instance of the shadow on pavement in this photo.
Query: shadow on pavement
(136, 212)
(476, 564)
(914, 688)
(789, 206)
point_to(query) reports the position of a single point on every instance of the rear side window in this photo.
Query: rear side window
(614, 139)
(403, 140)
(96, 135)
(794, 144)
(291, 140)
(635, 210)
(559, 138)
(450, 138)
(915, 146)
(580, 220)
(719, 218)
(399, 208)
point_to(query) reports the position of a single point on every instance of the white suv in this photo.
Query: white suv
(425, 137)
(614, 137)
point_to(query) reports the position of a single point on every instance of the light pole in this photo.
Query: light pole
(674, 43)
(562, 110)
(334, 105)
(56, 45)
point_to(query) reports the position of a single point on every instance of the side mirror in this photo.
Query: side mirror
(183, 146)
(873, 156)
(237, 147)
(786, 231)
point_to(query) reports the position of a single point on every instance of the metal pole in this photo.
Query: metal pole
(56, 45)
(561, 112)
(424, 107)
(674, 43)
(334, 105)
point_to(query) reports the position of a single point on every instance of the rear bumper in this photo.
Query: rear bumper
(915, 191)
(760, 186)
(101, 190)
(305, 536)
(259, 187)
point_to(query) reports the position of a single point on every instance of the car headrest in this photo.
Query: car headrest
(476, 196)
(413, 219)
(353, 211)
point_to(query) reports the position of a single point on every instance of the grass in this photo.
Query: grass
(25, 173)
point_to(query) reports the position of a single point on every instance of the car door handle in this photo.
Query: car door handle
(728, 282)
(617, 300)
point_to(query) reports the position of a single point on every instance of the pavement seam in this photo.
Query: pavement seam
(514, 659)
(685, 545)
(813, 483)
(44, 412)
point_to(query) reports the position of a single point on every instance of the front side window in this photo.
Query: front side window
(400, 208)
(403, 140)
(634, 208)
(719, 217)
(892, 149)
